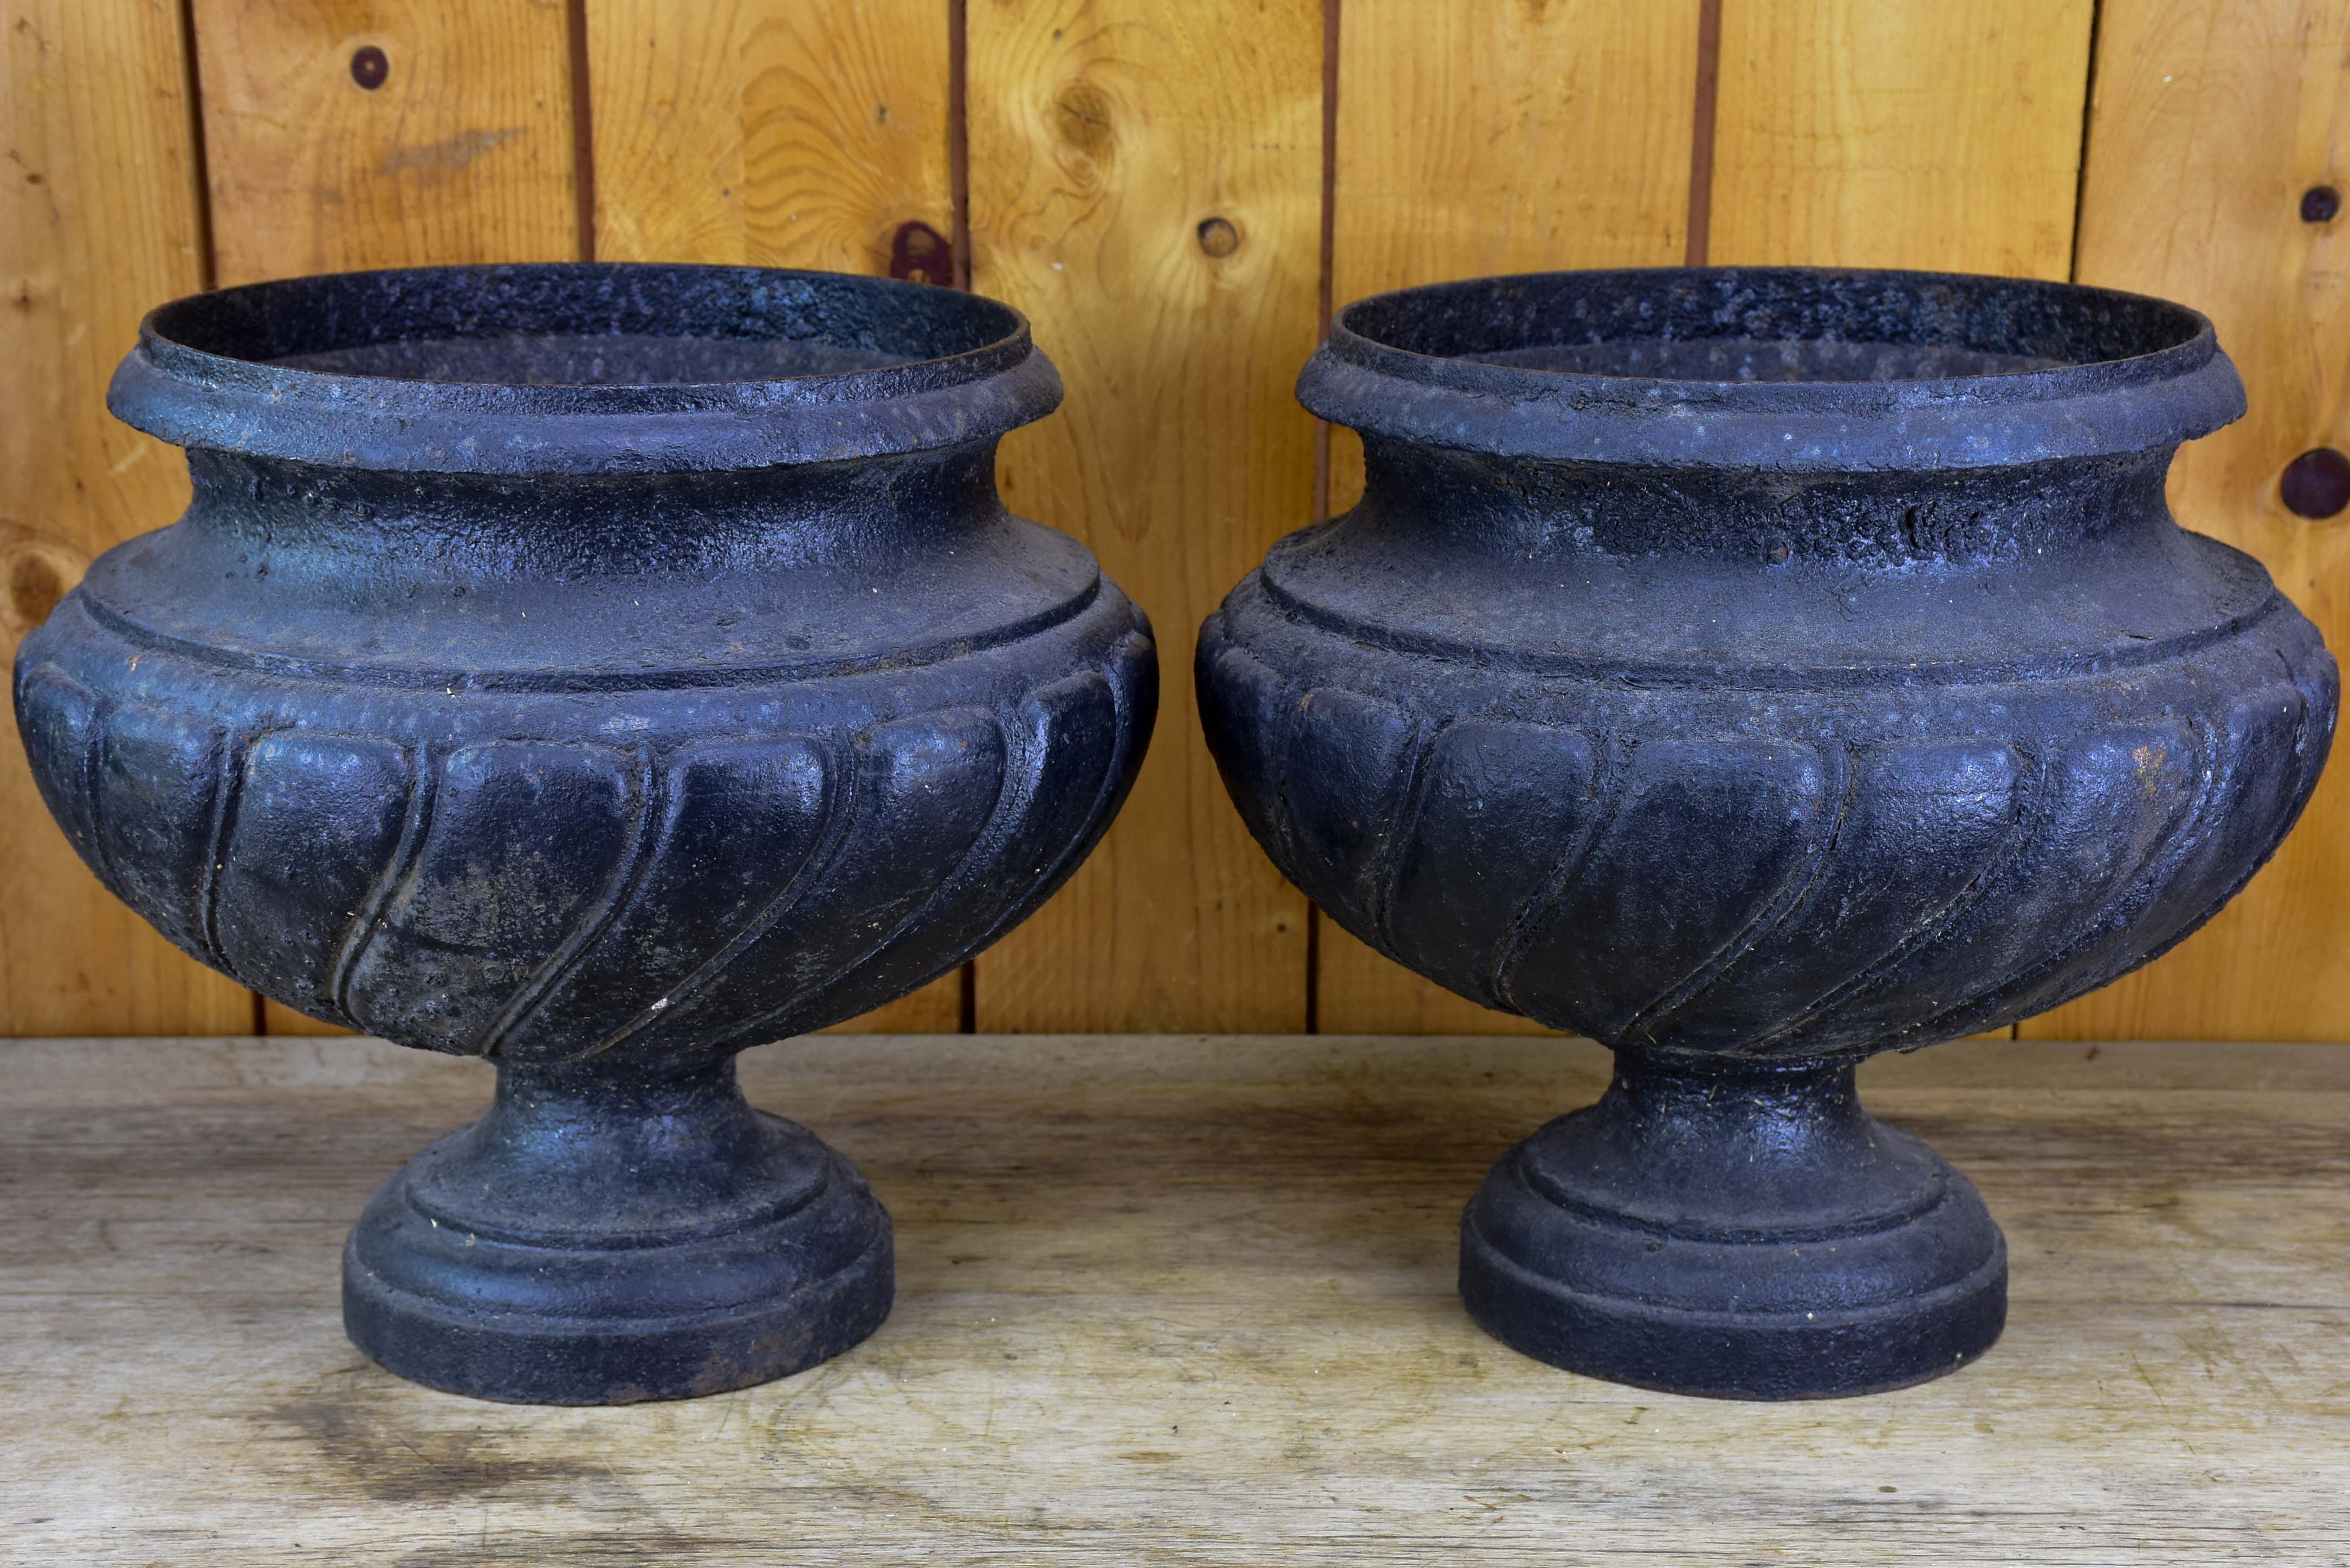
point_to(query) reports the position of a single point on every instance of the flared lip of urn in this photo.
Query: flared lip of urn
(2074, 372)
(861, 368)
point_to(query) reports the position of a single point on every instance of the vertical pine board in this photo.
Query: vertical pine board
(771, 132)
(1103, 135)
(774, 133)
(464, 154)
(2212, 118)
(1475, 140)
(101, 224)
(1905, 133)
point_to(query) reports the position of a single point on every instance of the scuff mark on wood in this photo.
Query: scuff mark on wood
(448, 157)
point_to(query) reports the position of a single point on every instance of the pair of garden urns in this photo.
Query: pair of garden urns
(603, 669)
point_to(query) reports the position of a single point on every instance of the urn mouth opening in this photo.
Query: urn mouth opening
(582, 368)
(1788, 367)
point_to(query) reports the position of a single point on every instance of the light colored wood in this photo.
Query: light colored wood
(1170, 1302)
(2210, 120)
(464, 154)
(98, 224)
(1907, 133)
(1475, 140)
(1103, 133)
(770, 132)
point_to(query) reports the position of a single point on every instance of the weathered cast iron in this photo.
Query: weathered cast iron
(600, 669)
(1756, 671)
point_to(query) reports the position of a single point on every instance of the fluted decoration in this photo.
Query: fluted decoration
(1854, 897)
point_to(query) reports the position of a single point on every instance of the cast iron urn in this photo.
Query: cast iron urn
(1756, 670)
(600, 669)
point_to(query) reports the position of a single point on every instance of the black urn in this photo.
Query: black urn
(1756, 670)
(602, 669)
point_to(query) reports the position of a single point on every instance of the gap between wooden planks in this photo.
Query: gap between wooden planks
(1174, 1300)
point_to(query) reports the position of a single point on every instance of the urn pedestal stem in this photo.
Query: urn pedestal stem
(1735, 1229)
(609, 1233)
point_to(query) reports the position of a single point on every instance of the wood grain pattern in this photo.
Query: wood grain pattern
(1104, 135)
(99, 222)
(1907, 133)
(1170, 1302)
(2210, 120)
(774, 133)
(768, 132)
(463, 153)
(1476, 140)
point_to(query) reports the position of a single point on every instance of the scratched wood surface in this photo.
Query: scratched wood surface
(1174, 1301)
(1145, 184)
(776, 133)
(1451, 125)
(98, 220)
(2212, 119)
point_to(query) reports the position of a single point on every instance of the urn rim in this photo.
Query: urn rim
(917, 368)
(2096, 371)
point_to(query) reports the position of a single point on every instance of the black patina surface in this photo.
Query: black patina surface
(1756, 670)
(602, 669)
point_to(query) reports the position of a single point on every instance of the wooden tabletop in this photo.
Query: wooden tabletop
(1174, 1300)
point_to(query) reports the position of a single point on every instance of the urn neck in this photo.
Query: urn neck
(1448, 500)
(350, 524)
(615, 1150)
(1754, 1149)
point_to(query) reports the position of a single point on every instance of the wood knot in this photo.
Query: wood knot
(2316, 484)
(371, 66)
(922, 255)
(1082, 115)
(36, 572)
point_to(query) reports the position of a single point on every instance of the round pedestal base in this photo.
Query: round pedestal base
(1750, 1234)
(601, 1238)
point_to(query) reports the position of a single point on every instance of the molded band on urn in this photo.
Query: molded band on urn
(1780, 369)
(582, 368)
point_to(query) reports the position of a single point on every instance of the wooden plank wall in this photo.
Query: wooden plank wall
(1175, 195)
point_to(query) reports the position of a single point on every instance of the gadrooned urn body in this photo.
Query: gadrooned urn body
(599, 668)
(1755, 670)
